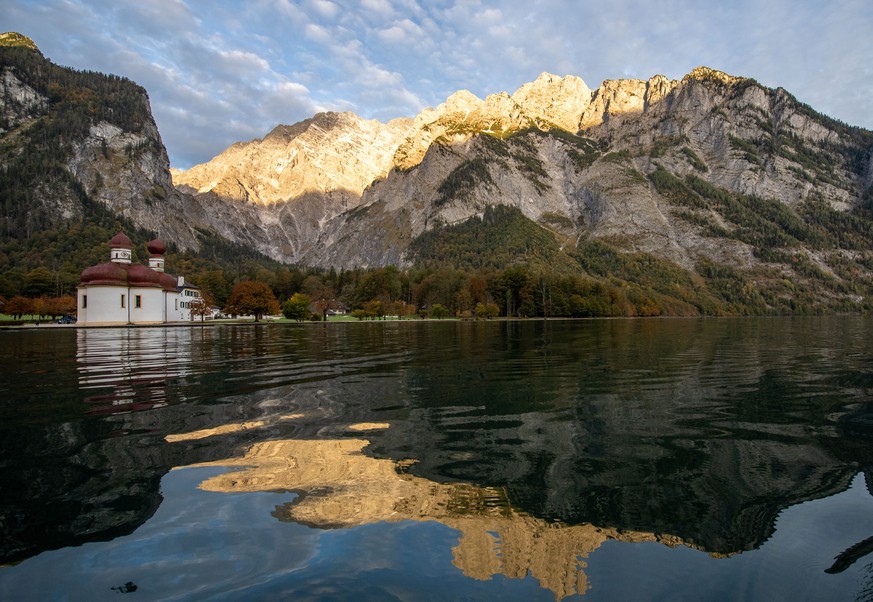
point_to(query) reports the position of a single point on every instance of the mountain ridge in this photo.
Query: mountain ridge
(614, 115)
(714, 174)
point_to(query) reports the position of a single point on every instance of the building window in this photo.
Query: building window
(84, 301)
(137, 301)
(176, 304)
(122, 301)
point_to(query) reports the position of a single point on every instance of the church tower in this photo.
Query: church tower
(157, 250)
(120, 249)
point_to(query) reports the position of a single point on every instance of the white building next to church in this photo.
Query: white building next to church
(118, 292)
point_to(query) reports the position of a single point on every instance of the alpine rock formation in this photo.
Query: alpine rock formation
(710, 168)
(710, 177)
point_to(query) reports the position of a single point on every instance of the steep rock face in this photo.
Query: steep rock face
(102, 151)
(550, 101)
(730, 133)
(455, 121)
(275, 194)
(554, 100)
(18, 101)
(608, 200)
(128, 172)
(730, 123)
(338, 191)
(329, 153)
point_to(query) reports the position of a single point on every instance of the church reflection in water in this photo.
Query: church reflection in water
(339, 486)
(131, 369)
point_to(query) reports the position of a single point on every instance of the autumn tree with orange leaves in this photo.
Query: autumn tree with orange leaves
(252, 297)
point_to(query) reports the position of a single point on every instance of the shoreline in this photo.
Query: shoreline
(244, 322)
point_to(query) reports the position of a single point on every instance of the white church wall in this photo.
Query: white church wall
(104, 305)
(148, 308)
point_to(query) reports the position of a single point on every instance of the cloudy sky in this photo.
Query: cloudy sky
(219, 71)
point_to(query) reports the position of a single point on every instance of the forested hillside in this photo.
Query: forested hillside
(40, 128)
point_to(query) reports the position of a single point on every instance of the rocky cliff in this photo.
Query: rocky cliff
(77, 142)
(710, 169)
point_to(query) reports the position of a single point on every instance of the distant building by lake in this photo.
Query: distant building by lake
(121, 292)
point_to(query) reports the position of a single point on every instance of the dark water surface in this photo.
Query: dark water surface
(717, 459)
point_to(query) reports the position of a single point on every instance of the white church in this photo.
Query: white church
(119, 293)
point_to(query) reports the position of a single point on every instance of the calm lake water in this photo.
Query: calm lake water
(666, 459)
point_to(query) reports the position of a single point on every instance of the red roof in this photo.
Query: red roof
(120, 240)
(105, 273)
(143, 276)
(170, 283)
(122, 274)
(157, 247)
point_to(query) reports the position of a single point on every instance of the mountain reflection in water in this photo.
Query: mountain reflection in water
(341, 487)
(537, 441)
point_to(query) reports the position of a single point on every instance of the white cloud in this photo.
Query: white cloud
(393, 35)
(243, 62)
(286, 8)
(403, 32)
(219, 71)
(317, 33)
(383, 7)
(325, 8)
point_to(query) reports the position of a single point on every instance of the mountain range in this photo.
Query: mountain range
(713, 177)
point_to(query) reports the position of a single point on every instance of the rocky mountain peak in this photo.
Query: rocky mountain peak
(554, 99)
(648, 162)
(324, 121)
(461, 100)
(705, 73)
(463, 112)
(325, 153)
(462, 115)
(14, 39)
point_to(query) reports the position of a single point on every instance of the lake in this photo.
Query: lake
(652, 459)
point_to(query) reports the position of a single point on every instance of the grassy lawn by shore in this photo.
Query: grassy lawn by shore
(7, 320)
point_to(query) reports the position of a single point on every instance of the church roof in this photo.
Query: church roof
(120, 241)
(108, 273)
(136, 275)
(169, 283)
(121, 274)
(143, 276)
(157, 247)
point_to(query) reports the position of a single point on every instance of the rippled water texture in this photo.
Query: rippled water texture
(610, 459)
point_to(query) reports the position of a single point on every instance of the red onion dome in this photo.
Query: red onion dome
(140, 275)
(120, 241)
(169, 283)
(157, 247)
(105, 273)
